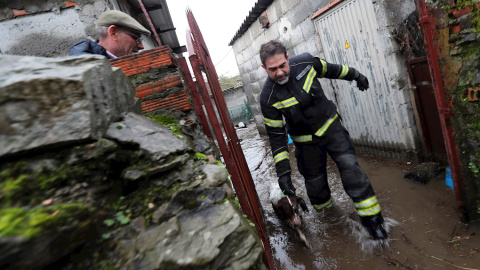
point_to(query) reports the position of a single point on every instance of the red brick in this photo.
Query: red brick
(147, 89)
(456, 28)
(174, 102)
(17, 12)
(69, 4)
(473, 94)
(142, 62)
(460, 12)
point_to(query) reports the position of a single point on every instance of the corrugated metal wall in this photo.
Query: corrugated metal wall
(374, 118)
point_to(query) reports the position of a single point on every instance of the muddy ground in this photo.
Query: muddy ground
(428, 235)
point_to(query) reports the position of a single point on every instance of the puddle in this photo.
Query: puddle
(427, 234)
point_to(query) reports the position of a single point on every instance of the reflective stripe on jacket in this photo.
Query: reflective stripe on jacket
(299, 106)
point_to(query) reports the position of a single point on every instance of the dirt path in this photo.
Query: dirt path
(428, 235)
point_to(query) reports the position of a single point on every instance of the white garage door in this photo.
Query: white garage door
(379, 119)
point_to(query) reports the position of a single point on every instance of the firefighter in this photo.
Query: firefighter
(292, 101)
(118, 35)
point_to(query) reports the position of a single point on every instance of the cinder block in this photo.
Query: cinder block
(275, 12)
(296, 36)
(271, 33)
(239, 58)
(256, 88)
(299, 13)
(245, 80)
(288, 4)
(308, 28)
(255, 29)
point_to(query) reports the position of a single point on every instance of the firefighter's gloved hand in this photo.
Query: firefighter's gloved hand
(362, 82)
(285, 183)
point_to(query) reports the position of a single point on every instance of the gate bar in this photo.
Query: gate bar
(192, 90)
(229, 162)
(444, 112)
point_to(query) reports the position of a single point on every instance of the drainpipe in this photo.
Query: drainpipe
(444, 111)
(157, 38)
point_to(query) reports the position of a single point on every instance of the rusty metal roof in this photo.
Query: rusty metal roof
(256, 11)
(160, 15)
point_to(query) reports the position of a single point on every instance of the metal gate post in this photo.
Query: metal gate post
(229, 162)
(192, 90)
(444, 112)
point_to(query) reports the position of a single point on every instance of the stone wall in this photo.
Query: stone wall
(458, 40)
(99, 186)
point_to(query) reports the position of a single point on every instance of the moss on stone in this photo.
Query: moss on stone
(24, 186)
(19, 221)
(168, 121)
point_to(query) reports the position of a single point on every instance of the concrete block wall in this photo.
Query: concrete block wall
(156, 78)
(234, 96)
(291, 24)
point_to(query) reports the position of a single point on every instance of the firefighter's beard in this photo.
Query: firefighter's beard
(282, 79)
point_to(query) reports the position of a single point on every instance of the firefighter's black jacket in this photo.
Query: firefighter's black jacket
(302, 103)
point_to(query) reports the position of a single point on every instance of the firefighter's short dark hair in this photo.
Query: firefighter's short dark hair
(270, 49)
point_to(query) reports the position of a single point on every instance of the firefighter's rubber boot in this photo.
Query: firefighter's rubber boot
(375, 226)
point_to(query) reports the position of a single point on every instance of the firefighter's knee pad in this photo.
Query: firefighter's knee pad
(346, 161)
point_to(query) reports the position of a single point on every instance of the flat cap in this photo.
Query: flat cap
(115, 17)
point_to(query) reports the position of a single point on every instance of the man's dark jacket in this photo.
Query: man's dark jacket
(302, 103)
(86, 46)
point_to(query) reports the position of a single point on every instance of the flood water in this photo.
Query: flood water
(425, 231)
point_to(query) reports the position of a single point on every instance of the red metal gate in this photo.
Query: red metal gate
(428, 29)
(230, 148)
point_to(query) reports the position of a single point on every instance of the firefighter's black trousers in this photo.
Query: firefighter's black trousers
(311, 161)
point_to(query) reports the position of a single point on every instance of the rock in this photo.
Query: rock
(132, 175)
(57, 101)
(214, 241)
(189, 199)
(202, 145)
(423, 172)
(159, 213)
(54, 242)
(155, 140)
(216, 175)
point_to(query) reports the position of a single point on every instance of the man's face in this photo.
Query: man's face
(278, 68)
(127, 43)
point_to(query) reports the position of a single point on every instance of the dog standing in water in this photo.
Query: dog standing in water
(287, 208)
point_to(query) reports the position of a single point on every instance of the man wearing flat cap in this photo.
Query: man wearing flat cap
(118, 35)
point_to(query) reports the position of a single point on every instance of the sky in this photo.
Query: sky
(218, 20)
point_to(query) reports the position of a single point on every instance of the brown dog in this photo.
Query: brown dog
(287, 207)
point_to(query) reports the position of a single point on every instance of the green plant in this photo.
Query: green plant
(473, 168)
(109, 222)
(200, 156)
(168, 121)
(31, 222)
(122, 218)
